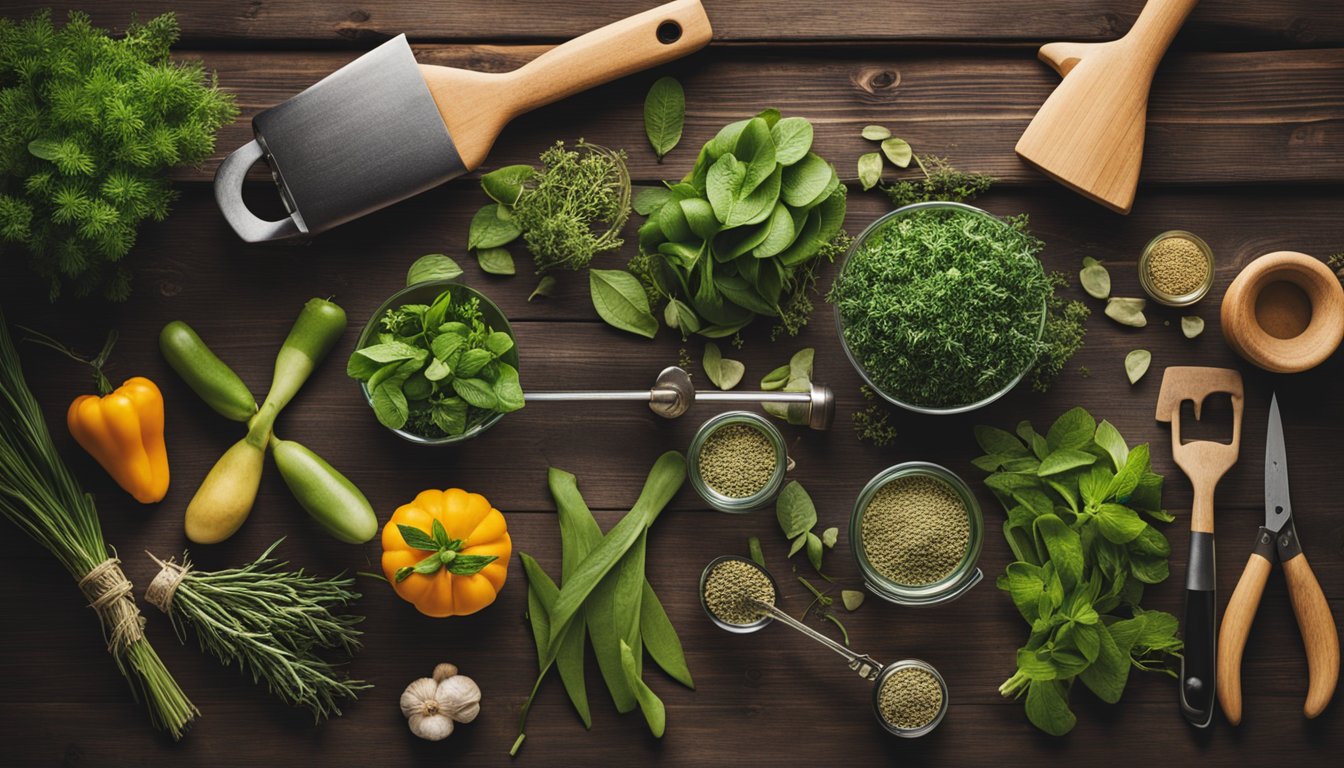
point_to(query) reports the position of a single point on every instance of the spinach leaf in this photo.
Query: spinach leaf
(793, 139)
(491, 227)
(664, 115)
(620, 300)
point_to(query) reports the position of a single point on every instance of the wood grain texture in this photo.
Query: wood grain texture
(1256, 325)
(1319, 635)
(1204, 462)
(1213, 118)
(1226, 24)
(1235, 630)
(1222, 126)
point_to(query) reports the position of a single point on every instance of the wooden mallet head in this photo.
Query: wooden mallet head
(1088, 135)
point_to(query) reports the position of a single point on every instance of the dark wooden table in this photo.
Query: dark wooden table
(1245, 148)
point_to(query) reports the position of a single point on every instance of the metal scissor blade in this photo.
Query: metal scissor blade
(1278, 508)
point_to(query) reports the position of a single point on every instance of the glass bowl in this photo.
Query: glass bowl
(425, 293)
(1169, 299)
(956, 583)
(888, 671)
(840, 322)
(740, 629)
(734, 504)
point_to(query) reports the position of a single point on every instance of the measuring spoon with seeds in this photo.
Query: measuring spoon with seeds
(909, 696)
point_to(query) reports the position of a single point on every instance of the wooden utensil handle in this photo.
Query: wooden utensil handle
(1318, 633)
(1237, 621)
(656, 36)
(1159, 22)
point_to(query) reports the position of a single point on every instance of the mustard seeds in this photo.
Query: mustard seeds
(730, 585)
(910, 698)
(738, 461)
(915, 530)
(1177, 266)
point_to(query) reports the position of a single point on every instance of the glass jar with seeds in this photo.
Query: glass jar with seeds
(909, 696)
(916, 533)
(737, 461)
(1176, 268)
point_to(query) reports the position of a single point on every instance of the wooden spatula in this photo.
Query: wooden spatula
(1088, 135)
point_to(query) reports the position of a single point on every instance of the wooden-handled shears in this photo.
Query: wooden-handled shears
(1277, 539)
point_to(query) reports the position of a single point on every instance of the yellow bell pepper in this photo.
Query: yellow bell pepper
(123, 430)
(447, 552)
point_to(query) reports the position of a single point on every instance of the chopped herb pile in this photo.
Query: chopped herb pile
(944, 307)
(941, 182)
(1065, 329)
(437, 369)
(1076, 500)
(88, 125)
(872, 422)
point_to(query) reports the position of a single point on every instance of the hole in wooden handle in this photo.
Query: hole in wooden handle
(669, 32)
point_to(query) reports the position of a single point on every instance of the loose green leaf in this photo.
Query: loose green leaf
(794, 510)
(898, 152)
(495, 261)
(664, 114)
(870, 170)
(651, 199)
(852, 599)
(621, 302)
(1096, 280)
(754, 547)
(724, 374)
(1136, 364)
(1127, 311)
(876, 133)
(433, 266)
(814, 550)
(829, 537)
(492, 227)
(505, 185)
(1192, 326)
(793, 139)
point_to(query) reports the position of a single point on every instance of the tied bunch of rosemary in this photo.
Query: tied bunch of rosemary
(88, 125)
(40, 496)
(272, 622)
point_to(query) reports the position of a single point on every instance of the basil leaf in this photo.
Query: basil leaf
(1136, 364)
(770, 115)
(793, 139)
(680, 316)
(794, 510)
(1063, 460)
(472, 361)
(477, 393)
(852, 598)
(1073, 429)
(754, 546)
(1119, 524)
(797, 544)
(433, 266)
(779, 233)
(1108, 437)
(722, 373)
(498, 342)
(508, 392)
(776, 379)
(756, 148)
(417, 387)
(491, 227)
(814, 551)
(450, 415)
(664, 115)
(445, 344)
(389, 405)
(993, 440)
(416, 538)
(505, 185)
(391, 353)
(495, 261)
(1192, 326)
(870, 170)
(620, 300)
(545, 287)
(1047, 708)
(466, 565)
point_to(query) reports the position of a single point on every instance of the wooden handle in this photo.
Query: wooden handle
(656, 36)
(1156, 27)
(1201, 510)
(1237, 620)
(1318, 634)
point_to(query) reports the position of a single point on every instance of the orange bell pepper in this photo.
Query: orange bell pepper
(123, 430)
(447, 552)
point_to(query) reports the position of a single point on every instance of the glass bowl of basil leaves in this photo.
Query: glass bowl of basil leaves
(437, 363)
(941, 306)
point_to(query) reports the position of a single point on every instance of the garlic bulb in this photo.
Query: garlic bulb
(432, 705)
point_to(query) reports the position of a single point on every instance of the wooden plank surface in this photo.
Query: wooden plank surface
(1223, 124)
(1213, 117)
(1222, 25)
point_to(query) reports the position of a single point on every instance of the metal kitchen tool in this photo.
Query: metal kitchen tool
(673, 394)
(383, 127)
(1277, 538)
(1204, 462)
(867, 667)
(1088, 135)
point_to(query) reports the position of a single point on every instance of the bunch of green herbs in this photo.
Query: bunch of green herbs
(603, 595)
(438, 369)
(88, 126)
(272, 621)
(939, 181)
(944, 307)
(1077, 498)
(566, 213)
(737, 238)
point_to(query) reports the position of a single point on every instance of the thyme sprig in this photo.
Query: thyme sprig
(272, 622)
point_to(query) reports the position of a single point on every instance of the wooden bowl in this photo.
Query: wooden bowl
(1284, 312)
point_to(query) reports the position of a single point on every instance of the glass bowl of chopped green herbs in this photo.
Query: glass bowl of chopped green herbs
(437, 363)
(916, 534)
(737, 461)
(941, 307)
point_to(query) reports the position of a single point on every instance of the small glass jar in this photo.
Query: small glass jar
(887, 672)
(1176, 300)
(735, 504)
(956, 583)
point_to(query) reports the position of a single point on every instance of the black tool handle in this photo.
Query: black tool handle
(1198, 677)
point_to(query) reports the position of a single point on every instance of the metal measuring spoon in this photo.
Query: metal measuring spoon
(867, 667)
(673, 394)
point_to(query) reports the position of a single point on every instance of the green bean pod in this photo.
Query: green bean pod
(328, 496)
(208, 376)
(317, 329)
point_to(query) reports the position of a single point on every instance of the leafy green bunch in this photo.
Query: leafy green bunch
(740, 235)
(438, 369)
(1076, 500)
(88, 125)
(566, 213)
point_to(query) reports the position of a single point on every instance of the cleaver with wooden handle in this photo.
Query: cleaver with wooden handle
(1088, 135)
(384, 127)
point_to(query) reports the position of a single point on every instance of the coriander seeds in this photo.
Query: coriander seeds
(910, 699)
(1176, 268)
(729, 587)
(737, 461)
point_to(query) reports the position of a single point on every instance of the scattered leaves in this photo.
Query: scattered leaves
(1127, 311)
(723, 373)
(1136, 364)
(1192, 326)
(664, 115)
